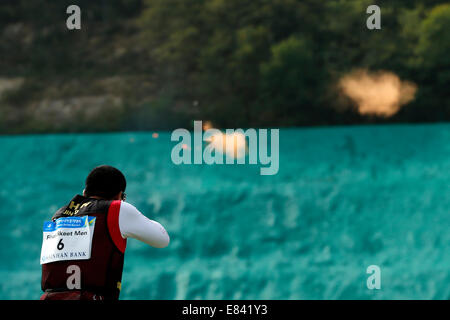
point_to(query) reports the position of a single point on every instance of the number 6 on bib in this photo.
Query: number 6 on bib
(67, 238)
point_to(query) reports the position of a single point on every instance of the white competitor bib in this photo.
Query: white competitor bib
(67, 238)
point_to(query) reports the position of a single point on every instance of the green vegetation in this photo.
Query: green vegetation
(159, 64)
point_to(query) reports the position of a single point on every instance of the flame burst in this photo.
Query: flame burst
(381, 93)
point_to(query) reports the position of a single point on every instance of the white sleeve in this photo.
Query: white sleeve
(133, 224)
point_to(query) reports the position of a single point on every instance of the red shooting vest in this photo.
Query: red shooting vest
(101, 275)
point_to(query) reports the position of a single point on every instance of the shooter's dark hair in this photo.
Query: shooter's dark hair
(105, 182)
